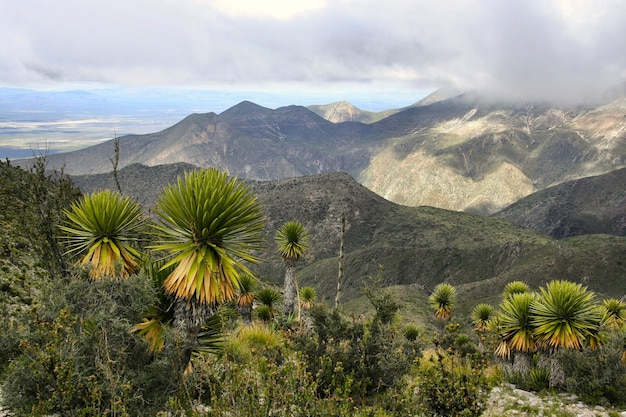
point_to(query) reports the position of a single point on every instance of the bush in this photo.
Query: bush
(446, 386)
(354, 358)
(597, 376)
(78, 355)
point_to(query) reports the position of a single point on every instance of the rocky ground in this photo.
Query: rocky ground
(507, 400)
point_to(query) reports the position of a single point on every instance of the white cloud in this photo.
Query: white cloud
(276, 9)
(536, 47)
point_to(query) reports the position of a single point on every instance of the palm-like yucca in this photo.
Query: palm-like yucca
(159, 315)
(268, 297)
(442, 300)
(245, 299)
(515, 287)
(292, 240)
(210, 226)
(615, 311)
(101, 229)
(481, 316)
(515, 327)
(565, 315)
(308, 295)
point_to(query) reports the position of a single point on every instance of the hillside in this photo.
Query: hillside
(586, 206)
(463, 153)
(414, 248)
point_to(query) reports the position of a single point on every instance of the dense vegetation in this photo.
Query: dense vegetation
(180, 324)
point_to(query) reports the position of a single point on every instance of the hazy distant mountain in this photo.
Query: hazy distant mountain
(412, 247)
(342, 111)
(585, 206)
(460, 153)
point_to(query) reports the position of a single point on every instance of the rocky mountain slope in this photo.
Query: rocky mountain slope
(464, 153)
(585, 206)
(413, 248)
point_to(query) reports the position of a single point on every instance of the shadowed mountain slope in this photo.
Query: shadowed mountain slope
(585, 206)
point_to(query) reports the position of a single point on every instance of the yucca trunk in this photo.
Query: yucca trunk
(189, 316)
(289, 294)
(549, 360)
(246, 313)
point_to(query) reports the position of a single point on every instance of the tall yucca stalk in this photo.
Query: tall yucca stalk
(210, 226)
(565, 315)
(292, 240)
(101, 229)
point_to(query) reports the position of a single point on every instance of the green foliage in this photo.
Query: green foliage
(78, 356)
(102, 229)
(442, 300)
(515, 327)
(446, 386)
(257, 386)
(292, 240)
(210, 226)
(308, 296)
(482, 315)
(357, 359)
(597, 376)
(412, 332)
(515, 287)
(565, 315)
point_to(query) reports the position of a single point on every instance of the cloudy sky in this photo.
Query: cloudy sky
(402, 48)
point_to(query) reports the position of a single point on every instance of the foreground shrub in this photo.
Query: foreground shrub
(354, 358)
(261, 386)
(78, 355)
(448, 386)
(597, 376)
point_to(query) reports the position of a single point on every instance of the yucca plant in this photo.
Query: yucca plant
(308, 295)
(102, 229)
(616, 312)
(482, 315)
(515, 287)
(264, 313)
(515, 328)
(565, 315)
(292, 240)
(268, 297)
(209, 227)
(411, 332)
(442, 300)
(159, 315)
(245, 299)
(515, 331)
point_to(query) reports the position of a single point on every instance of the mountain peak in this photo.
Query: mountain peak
(244, 108)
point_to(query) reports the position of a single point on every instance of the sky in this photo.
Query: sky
(317, 50)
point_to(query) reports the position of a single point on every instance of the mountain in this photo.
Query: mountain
(409, 248)
(465, 153)
(586, 206)
(342, 111)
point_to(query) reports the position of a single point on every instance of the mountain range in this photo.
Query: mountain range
(459, 152)
(412, 249)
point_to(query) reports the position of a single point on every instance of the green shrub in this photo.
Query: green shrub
(597, 376)
(358, 359)
(446, 386)
(78, 355)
